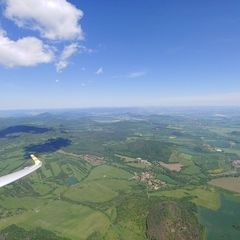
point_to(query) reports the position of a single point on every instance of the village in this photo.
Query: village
(236, 163)
(148, 178)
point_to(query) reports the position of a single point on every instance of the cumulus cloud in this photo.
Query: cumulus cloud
(136, 74)
(99, 71)
(67, 52)
(27, 51)
(54, 19)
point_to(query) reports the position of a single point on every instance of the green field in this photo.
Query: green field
(228, 183)
(106, 171)
(201, 196)
(73, 221)
(224, 223)
(97, 190)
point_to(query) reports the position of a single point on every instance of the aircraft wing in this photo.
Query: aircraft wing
(12, 177)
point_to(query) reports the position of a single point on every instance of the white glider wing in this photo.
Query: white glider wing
(12, 177)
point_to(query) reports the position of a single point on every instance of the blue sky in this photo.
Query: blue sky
(119, 53)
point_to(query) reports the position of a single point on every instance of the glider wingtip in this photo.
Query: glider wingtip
(34, 158)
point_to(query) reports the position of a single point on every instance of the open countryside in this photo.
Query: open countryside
(109, 184)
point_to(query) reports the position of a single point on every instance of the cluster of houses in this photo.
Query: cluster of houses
(236, 163)
(93, 159)
(148, 178)
(212, 149)
(145, 162)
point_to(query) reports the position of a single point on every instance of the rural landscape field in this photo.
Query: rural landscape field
(122, 175)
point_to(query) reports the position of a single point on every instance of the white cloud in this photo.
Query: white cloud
(68, 51)
(99, 71)
(54, 19)
(136, 74)
(27, 51)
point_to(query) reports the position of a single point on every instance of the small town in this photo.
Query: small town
(236, 163)
(148, 178)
